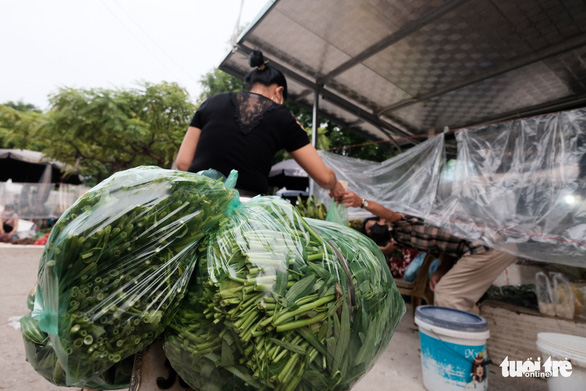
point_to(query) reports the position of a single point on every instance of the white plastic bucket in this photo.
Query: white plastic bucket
(453, 349)
(564, 347)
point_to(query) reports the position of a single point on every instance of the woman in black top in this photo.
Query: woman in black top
(244, 130)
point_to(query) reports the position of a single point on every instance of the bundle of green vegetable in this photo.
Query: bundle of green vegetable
(41, 355)
(311, 207)
(274, 304)
(116, 264)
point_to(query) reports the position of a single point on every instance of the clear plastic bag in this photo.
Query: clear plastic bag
(563, 296)
(116, 264)
(544, 293)
(281, 302)
(579, 291)
(337, 213)
(41, 356)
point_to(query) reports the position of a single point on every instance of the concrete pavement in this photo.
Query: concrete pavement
(399, 367)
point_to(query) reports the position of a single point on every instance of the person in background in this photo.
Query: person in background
(467, 269)
(244, 130)
(398, 257)
(8, 224)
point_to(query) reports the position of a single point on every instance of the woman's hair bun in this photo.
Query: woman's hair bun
(256, 59)
(263, 73)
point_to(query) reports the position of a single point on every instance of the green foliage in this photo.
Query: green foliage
(217, 82)
(102, 131)
(22, 106)
(19, 128)
(334, 138)
(346, 143)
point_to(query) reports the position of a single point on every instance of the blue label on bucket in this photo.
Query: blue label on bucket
(449, 366)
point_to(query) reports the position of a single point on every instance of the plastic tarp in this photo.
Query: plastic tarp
(23, 165)
(519, 186)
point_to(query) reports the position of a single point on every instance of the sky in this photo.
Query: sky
(47, 45)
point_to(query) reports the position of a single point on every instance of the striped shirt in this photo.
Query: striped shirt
(411, 232)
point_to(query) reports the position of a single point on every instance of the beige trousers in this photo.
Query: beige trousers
(469, 278)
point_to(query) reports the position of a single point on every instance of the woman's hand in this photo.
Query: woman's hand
(351, 199)
(338, 192)
(388, 248)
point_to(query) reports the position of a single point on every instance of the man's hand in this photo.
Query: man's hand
(445, 265)
(351, 199)
(435, 278)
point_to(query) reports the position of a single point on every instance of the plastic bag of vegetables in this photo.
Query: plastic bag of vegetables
(275, 304)
(117, 262)
(41, 355)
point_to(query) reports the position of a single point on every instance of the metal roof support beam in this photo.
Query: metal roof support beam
(341, 122)
(314, 118)
(549, 107)
(393, 38)
(314, 130)
(364, 115)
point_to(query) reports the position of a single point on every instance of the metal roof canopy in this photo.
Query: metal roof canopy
(400, 70)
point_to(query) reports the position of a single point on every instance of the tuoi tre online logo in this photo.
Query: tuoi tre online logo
(529, 368)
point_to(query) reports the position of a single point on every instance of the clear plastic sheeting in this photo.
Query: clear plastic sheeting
(519, 186)
(407, 182)
(39, 200)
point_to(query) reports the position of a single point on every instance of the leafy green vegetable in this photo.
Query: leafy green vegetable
(117, 263)
(280, 302)
(311, 208)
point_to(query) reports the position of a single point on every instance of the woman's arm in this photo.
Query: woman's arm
(187, 150)
(308, 158)
(352, 199)
(389, 248)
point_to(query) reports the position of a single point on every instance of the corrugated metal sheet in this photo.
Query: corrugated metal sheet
(402, 69)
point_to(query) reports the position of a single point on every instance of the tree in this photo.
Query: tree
(102, 131)
(22, 106)
(18, 126)
(217, 82)
(350, 144)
